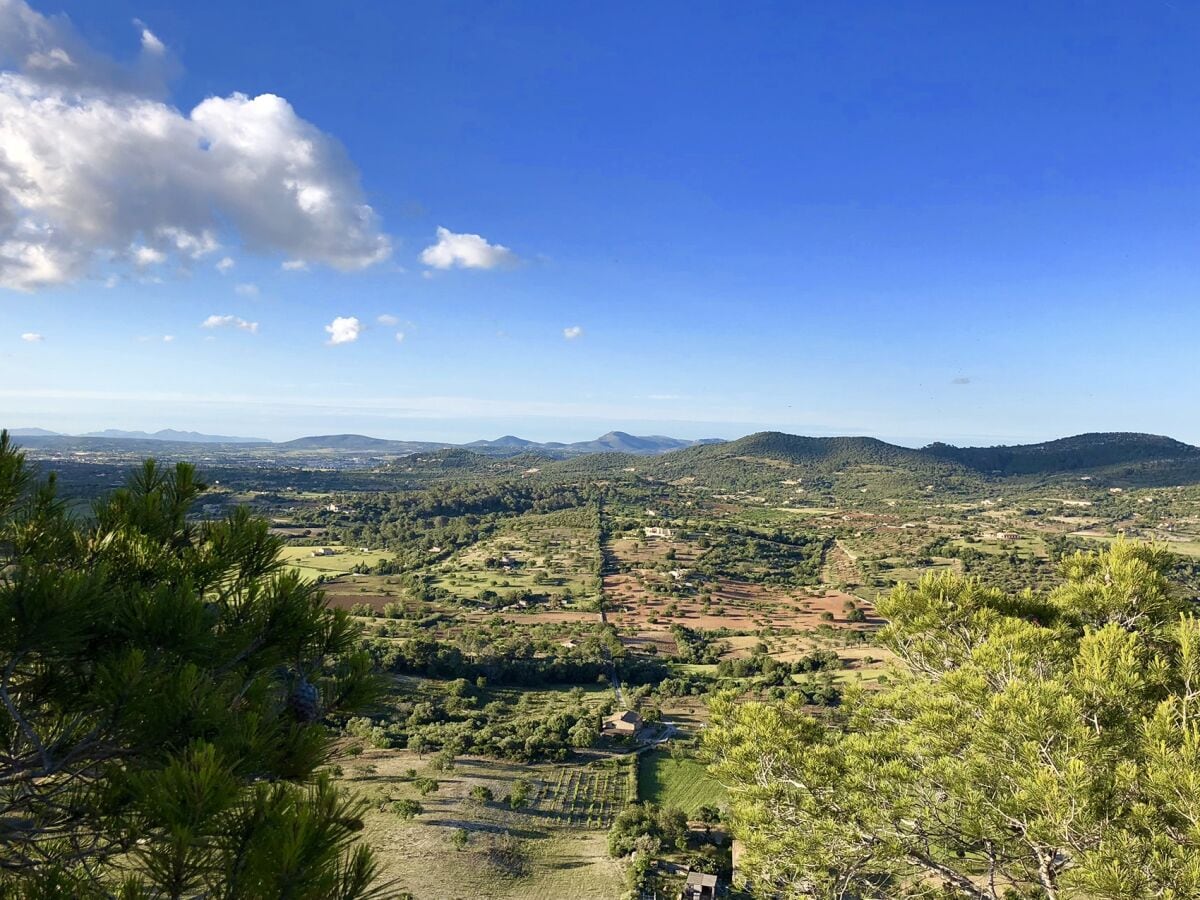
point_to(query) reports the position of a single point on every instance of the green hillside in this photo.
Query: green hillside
(1070, 454)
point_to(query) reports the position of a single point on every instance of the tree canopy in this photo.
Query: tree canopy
(1030, 746)
(164, 689)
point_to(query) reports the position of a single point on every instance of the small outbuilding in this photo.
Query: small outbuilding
(699, 886)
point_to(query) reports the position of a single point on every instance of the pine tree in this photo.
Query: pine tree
(165, 693)
(1033, 746)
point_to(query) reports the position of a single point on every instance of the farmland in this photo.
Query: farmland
(340, 561)
(552, 846)
(509, 617)
(673, 590)
(683, 783)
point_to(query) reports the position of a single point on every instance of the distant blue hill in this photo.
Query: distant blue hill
(166, 434)
(32, 432)
(613, 442)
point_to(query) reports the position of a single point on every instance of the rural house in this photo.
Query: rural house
(656, 532)
(625, 722)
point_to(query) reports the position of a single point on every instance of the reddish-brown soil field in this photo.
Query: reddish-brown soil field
(738, 606)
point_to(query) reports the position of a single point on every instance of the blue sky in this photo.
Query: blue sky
(965, 222)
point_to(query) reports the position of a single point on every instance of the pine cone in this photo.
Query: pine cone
(304, 701)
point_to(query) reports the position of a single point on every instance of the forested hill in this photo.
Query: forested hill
(815, 454)
(767, 457)
(821, 452)
(1081, 452)
(762, 462)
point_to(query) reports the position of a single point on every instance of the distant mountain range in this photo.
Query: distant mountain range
(508, 445)
(359, 443)
(1162, 457)
(168, 434)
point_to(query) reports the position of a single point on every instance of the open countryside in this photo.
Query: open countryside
(553, 643)
(721, 450)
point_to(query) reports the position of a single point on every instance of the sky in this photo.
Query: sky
(975, 223)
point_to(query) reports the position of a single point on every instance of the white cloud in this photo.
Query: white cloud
(32, 337)
(293, 265)
(344, 330)
(150, 42)
(572, 332)
(94, 164)
(399, 337)
(465, 251)
(215, 321)
(388, 319)
(147, 256)
(225, 264)
(246, 290)
(51, 48)
(189, 244)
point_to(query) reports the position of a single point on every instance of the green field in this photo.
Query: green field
(301, 559)
(683, 782)
(1183, 548)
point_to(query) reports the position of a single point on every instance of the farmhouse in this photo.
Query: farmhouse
(1002, 535)
(626, 722)
(699, 886)
(655, 532)
(323, 551)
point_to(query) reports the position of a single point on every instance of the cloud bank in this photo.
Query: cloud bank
(95, 165)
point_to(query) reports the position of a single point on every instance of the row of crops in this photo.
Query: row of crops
(590, 796)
